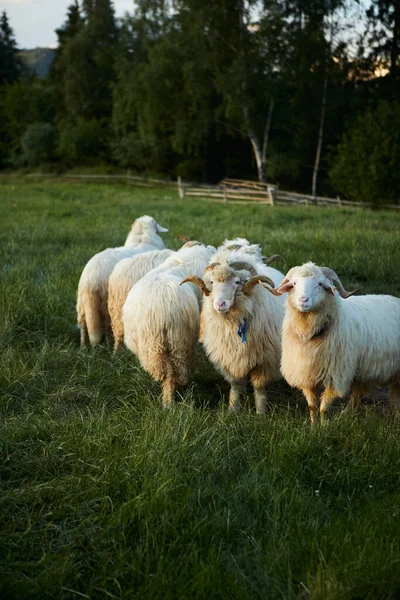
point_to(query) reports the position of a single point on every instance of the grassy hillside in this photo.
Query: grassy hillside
(105, 495)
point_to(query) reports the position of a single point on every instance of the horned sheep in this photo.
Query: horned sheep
(92, 311)
(338, 342)
(161, 323)
(241, 323)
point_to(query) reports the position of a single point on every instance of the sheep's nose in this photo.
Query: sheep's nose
(304, 299)
(221, 306)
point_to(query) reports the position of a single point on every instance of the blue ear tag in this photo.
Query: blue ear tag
(242, 330)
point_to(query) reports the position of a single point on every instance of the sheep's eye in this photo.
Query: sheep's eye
(320, 284)
(237, 281)
(211, 282)
(294, 283)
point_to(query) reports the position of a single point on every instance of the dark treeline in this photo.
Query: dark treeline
(300, 92)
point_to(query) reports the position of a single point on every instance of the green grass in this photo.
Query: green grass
(105, 495)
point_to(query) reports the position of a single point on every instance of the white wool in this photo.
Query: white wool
(257, 357)
(161, 318)
(93, 317)
(359, 350)
(125, 274)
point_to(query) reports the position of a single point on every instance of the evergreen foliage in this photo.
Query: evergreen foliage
(10, 62)
(203, 90)
(366, 165)
(38, 144)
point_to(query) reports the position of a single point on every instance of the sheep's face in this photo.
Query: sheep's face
(307, 287)
(223, 284)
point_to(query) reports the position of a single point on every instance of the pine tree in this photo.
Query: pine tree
(73, 24)
(384, 16)
(10, 64)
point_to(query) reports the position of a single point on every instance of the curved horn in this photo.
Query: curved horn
(250, 283)
(234, 247)
(191, 243)
(266, 260)
(198, 281)
(212, 266)
(239, 265)
(184, 238)
(330, 274)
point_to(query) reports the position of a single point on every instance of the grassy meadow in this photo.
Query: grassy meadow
(105, 495)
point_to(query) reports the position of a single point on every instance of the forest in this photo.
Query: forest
(301, 93)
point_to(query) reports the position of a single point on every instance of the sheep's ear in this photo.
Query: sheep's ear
(285, 286)
(160, 229)
(330, 288)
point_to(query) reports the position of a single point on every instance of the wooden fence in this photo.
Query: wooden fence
(230, 190)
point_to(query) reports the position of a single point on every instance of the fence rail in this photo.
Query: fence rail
(229, 190)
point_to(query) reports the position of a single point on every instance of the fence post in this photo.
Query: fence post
(181, 189)
(271, 195)
(225, 198)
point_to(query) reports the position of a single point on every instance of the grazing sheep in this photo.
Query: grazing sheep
(241, 324)
(161, 323)
(340, 343)
(125, 274)
(92, 311)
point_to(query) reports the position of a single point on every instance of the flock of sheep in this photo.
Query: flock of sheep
(160, 302)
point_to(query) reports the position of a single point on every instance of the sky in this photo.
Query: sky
(34, 21)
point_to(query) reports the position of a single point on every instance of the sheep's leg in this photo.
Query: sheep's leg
(311, 395)
(259, 383)
(327, 397)
(238, 386)
(355, 399)
(108, 329)
(117, 343)
(394, 397)
(84, 334)
(168, 392)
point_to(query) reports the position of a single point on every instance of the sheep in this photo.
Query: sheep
(243, 245)
(161, 323)
(92, 312)
(125, 274)
(337, 342)
(241, 324)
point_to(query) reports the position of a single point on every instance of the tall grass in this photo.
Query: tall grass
(105, 495)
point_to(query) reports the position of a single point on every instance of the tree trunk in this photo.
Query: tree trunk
(267, 130)
(259, 154)
(321, 131)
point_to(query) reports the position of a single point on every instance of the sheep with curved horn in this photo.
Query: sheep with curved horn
(241, 323)
(337, 342)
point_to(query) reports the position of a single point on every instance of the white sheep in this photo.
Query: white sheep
(161, 323)
(225, 250)
(92, 311)
(241, 323)
(338, 342)
(125, 274)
